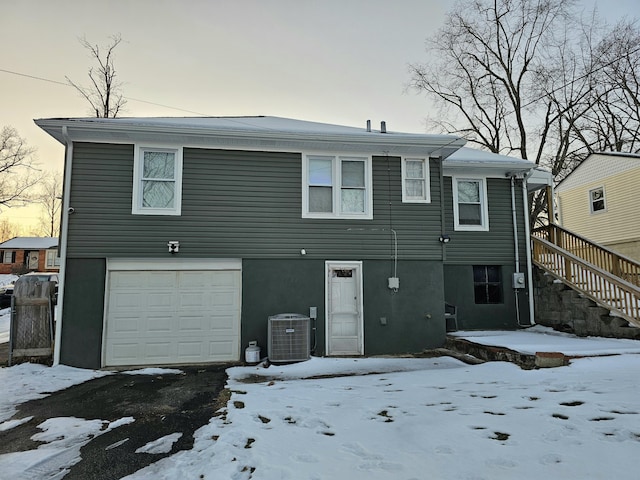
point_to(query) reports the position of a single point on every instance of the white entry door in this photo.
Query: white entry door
(344, 307)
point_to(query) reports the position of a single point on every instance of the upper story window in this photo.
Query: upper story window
(157, 181)
(470, 206)
(596, 200)
(337, 186)
(415, 180)
(53, 260)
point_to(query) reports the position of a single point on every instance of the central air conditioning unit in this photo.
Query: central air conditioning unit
(289, 338)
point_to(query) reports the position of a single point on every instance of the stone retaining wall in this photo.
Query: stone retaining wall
(562, 308)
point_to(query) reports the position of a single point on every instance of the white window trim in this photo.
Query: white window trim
(53, 254)
(337, 182)
(427, 185)
(604, 200)
(4, 256)
(484, 205)
(137, 208)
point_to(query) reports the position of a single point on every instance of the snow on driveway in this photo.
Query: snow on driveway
(420, 418)
(380, 418)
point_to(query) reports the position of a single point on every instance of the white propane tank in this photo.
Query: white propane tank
(252, 353)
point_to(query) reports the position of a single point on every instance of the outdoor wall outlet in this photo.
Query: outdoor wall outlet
(174, 246)
(518, 280)
(383, 320)
(394, 283)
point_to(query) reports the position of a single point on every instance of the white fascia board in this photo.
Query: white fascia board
(80, 130)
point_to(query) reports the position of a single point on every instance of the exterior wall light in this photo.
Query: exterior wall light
(174, 246)
(444, 238)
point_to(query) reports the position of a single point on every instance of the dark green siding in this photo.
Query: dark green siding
(240, 204)
(492, 247)
(414, 315)
(81, 342)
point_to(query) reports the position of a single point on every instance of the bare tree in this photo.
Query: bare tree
(527, 78)
(104, 92)
(9, 230)
(18, 172)
(50, 199)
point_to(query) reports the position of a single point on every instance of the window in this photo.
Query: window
(487, 284)
(157, 181)
(415, 180)
(596, 200)
(336, 186)
(470, 209)
(8, 256)
(53, 260)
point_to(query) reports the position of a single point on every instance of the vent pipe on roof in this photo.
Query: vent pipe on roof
(369, 126)
(383, 127)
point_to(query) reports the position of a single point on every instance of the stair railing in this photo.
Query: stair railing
(598, 284)
(605, 259)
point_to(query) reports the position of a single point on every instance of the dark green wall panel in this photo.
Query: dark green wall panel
(270, 287)
(81, 342)
(458, 281)
(414, 314)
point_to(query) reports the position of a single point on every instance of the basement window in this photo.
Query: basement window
(487, 284)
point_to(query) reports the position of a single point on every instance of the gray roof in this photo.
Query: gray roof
(256, 133)
(30, 243)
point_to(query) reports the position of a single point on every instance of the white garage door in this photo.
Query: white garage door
(172, 317)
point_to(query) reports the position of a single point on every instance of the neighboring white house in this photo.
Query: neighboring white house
(600, 200)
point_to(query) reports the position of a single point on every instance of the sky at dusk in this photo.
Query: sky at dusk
(332, 61)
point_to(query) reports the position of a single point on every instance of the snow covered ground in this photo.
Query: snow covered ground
(385, 418)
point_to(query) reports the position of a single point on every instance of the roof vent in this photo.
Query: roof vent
(383, 127)
(369, 126)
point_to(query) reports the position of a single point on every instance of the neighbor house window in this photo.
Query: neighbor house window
(157, 179)
(470, 207)
(53, 260)
(596, 197)
(336, 186)
(415, 180)
(487, 284)
(8, 256)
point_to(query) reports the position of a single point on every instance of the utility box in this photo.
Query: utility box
(518, 280)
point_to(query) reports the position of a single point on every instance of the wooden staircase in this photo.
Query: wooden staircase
(606, 277)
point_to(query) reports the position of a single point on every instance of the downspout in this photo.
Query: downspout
(62, 242)
(443, 229)
(516, 244)
(527, 231)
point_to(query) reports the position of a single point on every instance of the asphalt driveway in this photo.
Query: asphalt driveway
(161, 404)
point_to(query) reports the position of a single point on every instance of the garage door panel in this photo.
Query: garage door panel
(159, 324)
(192, 324)
(165, 317)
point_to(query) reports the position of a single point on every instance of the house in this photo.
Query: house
(599, 201)
(182, 236)
(28, 254)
